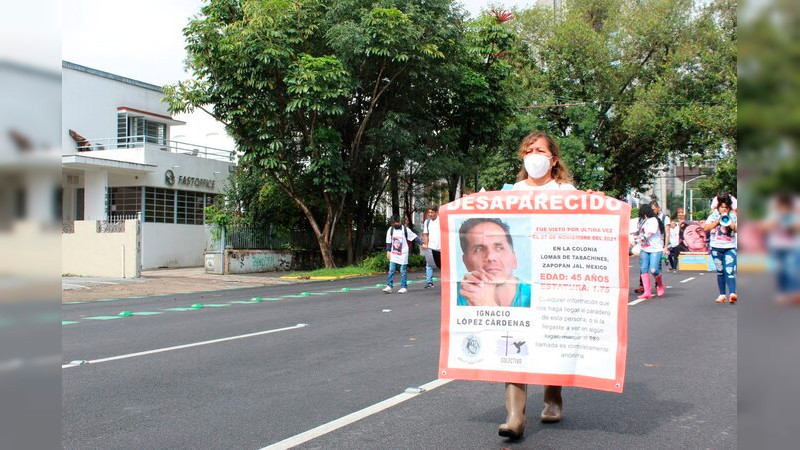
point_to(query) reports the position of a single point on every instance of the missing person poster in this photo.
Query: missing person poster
(535, 288)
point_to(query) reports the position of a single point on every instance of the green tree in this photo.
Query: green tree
(624, 83)
(299, 84)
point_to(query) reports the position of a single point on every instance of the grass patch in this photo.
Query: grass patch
(337, 272)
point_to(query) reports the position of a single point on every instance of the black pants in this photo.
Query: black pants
(672, 258)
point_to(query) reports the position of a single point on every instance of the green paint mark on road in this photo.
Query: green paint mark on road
(103, 318)
(125, 314)
(67, 322)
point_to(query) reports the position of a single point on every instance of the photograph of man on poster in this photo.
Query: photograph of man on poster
(489, 258)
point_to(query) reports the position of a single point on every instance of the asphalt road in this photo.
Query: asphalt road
(356, 349)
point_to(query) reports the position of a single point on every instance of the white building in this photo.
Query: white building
(118, 160)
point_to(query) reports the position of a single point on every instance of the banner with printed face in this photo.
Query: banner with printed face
(535, 288)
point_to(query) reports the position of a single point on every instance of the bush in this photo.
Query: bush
(416, 261)
(379, 263)
(634, 213)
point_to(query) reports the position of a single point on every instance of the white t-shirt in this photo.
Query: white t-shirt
(398, 251)
(552, 185)
(722, 237)
(674, 235)
(655, 242)
(431, 227)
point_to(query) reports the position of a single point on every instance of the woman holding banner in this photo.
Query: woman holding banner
(542, 170)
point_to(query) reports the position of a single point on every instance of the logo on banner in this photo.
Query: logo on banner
(511, 349)
(471, 349)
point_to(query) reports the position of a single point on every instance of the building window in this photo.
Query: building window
(137, 129)
(190, 207)
(159, 205)
(124, 201)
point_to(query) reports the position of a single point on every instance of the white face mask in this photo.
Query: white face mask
(537, 165)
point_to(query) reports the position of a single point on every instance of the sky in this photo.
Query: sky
(143, 39)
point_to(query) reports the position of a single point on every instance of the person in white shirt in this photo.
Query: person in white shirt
(723, 227)
(675, 239)
(663, 217)
(397, 249)
(431, 240)
(651, 240)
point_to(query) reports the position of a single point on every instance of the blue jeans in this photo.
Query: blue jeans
(650, 261)
(428, 274)
(787, 268)
(392, 267)
(725, 262)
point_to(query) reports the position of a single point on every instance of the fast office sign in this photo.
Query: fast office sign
(170, 179)
(535, 288)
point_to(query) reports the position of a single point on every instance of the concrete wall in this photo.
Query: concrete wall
(248, 261)
(89, 253)
(180, 164)
(214, 263)
(172, 245)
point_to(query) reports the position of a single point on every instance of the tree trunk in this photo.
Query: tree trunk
(324, 238)
(348, 223)
(361, 225)
(327, 254)
(395, 191)
(452, 187)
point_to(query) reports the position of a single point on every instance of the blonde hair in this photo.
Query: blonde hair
(559, 172)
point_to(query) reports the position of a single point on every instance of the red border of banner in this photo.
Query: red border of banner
(613, 385)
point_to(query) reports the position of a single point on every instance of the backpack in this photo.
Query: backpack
(405, 234)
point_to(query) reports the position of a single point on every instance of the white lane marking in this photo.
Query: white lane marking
(636, 302)
(178, 347)
(688, 279)
(354, 417)
(74, 286)
(98, 282)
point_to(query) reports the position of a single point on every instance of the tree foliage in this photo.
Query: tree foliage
(334, 104)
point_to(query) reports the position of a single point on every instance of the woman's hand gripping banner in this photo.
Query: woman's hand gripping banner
(535, 288)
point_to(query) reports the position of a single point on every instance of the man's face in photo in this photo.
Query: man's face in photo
(489, 250)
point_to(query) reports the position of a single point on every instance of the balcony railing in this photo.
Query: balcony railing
(166, 145)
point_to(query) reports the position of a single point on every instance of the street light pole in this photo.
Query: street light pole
(684, 193)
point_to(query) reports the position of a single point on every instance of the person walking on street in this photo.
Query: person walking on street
(431, 241)
(651, 239)
(675, 239)
(542, 169)
(397, 249)
(723, 227)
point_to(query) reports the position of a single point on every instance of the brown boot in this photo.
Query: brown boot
(516, 395)
(552, 404)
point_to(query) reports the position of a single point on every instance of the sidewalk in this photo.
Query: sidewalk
(164, 281)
